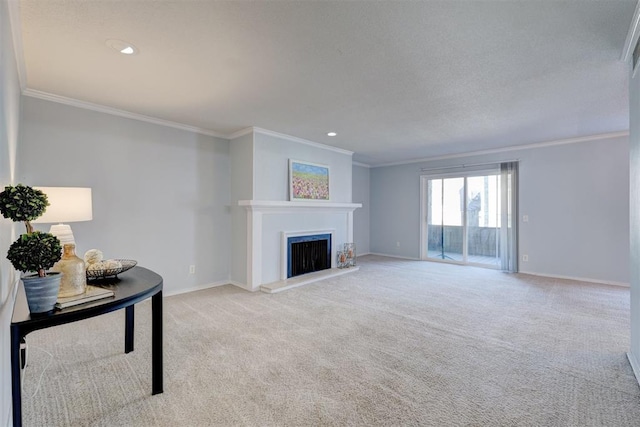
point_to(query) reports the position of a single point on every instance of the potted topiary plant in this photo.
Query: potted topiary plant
(34, 251)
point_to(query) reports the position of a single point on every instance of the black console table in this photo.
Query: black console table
(130, 288)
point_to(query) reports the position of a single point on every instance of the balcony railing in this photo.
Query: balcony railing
(481, 241)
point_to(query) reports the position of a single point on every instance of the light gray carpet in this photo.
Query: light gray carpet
(397, 343)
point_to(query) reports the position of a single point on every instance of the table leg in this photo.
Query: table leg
(156, 343)
(15, 377)
(128, 328)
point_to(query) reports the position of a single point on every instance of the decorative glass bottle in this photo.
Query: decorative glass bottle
(74, 275)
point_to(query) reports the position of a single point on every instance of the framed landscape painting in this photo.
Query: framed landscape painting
(308, 181)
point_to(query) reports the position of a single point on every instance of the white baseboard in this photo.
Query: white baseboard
(551, 276)
(394, 256)
(635, 365)
(242, 286)
(366, 253)
(578, 279)
(197, 288)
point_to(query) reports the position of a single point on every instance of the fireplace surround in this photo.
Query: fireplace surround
(268, 222)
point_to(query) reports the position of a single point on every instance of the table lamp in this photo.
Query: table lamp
(66, 204)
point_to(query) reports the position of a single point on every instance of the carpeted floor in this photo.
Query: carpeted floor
(397, 343)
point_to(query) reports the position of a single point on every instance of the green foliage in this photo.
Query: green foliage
(22, 203)
(35, 251)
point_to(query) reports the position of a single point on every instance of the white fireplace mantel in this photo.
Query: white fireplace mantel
(256, 209)
(278, 206)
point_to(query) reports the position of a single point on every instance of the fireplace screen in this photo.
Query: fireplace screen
(307, 254)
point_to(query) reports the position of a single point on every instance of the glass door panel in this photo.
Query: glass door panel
(445, 219)
(483, 220)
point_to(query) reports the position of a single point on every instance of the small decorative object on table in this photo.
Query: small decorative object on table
(74, 277)
(97, 268)
(110, 267)
(33, 251)
(92, 256)
(347, 255)
(92, 293)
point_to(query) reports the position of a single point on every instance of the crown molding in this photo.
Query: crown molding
(511, 148)
(301, 141)
(239, 133)
(267, 132)
(16, 34)
(364, 165)
(117, 112)
(140, 117)
(135, 116)
(632, 36)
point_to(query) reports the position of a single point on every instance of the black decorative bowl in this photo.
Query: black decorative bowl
(108, 272)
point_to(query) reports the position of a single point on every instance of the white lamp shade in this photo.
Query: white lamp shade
(66, 204)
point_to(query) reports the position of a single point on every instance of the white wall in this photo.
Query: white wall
(361, 194)
(577, 200)
(9, 125)
(241, 189)
(395, 210)
(576, 197)
(160, 195)
(271, 175)
(634, 196)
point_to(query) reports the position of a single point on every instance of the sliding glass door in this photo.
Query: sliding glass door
(464, 218)
(445, 219)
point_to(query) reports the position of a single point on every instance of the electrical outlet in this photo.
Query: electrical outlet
(525, 258)
(192, 269)
(525, 218)
(398, 244)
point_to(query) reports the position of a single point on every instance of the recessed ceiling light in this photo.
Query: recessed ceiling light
(331, 134)
(122, 46)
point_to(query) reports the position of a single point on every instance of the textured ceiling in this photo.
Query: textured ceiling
(396, 80)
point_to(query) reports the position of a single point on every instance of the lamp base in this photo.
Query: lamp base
(63, 233)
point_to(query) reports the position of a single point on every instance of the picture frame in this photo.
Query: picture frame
(308, 181)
